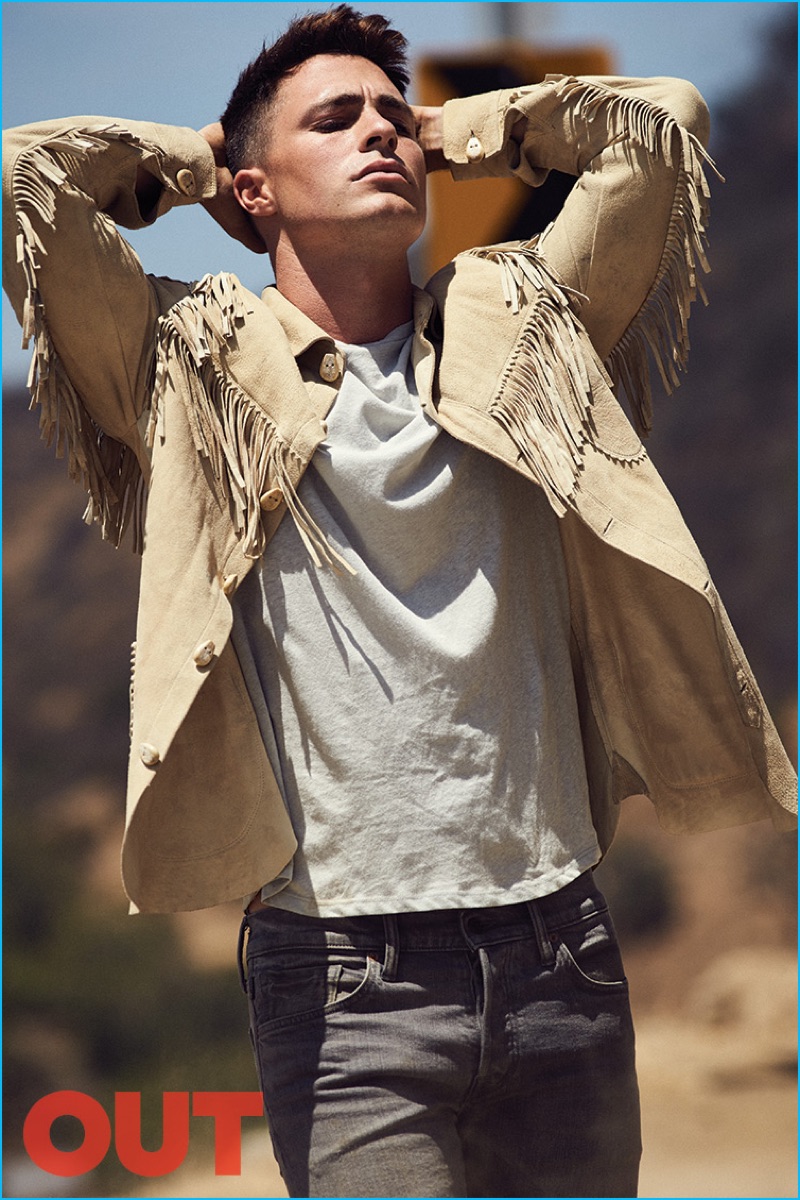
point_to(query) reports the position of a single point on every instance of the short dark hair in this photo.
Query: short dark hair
(339, 30)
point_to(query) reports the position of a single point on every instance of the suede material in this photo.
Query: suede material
(208, 397)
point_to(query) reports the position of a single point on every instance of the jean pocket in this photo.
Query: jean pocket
(587, 948)
(288, 989)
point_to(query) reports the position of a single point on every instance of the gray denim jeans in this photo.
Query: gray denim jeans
(483, 1052)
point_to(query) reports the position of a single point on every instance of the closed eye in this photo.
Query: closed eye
(339, 112)
(331, 125)
(407, 128)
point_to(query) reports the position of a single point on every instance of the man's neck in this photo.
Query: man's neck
(353, 301)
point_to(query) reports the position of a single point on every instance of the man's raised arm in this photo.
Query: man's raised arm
(629, 240)
(80, 293)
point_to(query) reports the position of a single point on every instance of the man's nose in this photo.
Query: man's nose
(378, 131)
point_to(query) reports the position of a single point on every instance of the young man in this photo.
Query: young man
(416, 610)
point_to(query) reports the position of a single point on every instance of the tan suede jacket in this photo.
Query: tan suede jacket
(208, 402)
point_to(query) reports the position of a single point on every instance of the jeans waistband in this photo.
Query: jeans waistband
(273, 930)
(487, 926)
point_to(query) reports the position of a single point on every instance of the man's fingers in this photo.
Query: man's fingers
(430, 136)
(227, 212)
(224, 207)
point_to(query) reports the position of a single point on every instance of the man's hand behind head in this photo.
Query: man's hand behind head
(429, 136)
(224, 207)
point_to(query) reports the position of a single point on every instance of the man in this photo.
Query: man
(416, 611)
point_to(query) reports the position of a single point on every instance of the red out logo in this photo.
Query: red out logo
(226, 1109)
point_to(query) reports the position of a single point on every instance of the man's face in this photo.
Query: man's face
(341, 156)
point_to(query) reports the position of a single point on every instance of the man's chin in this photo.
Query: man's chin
(396, 210)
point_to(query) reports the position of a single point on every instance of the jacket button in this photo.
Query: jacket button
(185, 181)
(229, 583)
(204, 654)
(475, 151)
(329, 368)
(148, 754)
(271, 499)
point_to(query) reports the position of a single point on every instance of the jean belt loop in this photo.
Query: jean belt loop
(546, 951)
(392, 950)
(241, 951)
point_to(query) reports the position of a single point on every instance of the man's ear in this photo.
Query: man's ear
(252, 190)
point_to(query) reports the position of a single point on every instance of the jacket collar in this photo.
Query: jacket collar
(301, 332)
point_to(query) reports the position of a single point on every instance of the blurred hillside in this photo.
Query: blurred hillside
(99, 1001)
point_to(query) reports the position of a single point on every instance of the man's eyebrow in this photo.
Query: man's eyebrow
(399, 106)
(349, 99)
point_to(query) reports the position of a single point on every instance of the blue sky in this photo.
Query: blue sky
(177, 62)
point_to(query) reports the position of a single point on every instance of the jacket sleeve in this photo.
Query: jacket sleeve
(81, 294)
(629, 241)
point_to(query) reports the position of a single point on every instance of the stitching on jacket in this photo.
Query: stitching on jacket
(544, 398)
(132, 691)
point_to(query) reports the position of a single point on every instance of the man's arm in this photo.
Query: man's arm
(81, 294)
(71, 277)
(629, 239)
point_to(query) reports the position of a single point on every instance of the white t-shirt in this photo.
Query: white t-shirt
(420, 715)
